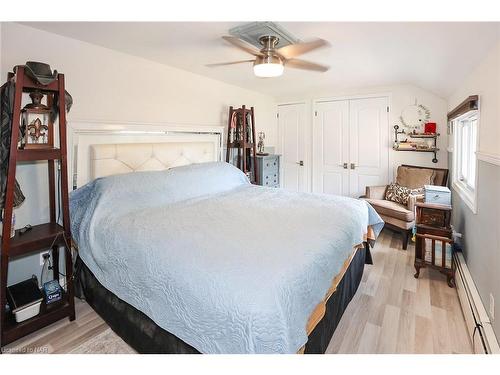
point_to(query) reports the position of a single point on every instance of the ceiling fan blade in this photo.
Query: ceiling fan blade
(298, 49)
(241, 44)
(229, 63)
(306, 65)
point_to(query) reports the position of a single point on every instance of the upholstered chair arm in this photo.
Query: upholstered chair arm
(376, 192)
(412, 199)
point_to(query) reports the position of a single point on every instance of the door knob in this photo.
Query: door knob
(345, 165)
(353, 166)
(301, 163)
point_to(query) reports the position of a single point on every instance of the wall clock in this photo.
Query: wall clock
(414, 117)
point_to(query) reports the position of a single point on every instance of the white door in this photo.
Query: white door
(368, 144)
(293, 134)
(330, 149)
(350, 146)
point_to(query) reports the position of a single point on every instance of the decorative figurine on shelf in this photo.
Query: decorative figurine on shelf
(37, 132)
(36, 126)
(260, 144)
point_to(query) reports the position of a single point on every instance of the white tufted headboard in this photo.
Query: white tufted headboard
(99, 149)
(110, 159)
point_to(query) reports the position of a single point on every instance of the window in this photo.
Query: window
(464, 157)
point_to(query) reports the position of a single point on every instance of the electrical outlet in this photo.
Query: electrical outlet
(492, 307)
(43, 256)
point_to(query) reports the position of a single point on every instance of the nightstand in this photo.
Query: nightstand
(268, 170)
(434, 241)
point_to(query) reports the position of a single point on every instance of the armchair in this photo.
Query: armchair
(398, 217)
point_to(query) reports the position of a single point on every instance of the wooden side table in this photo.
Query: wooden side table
(434, 242)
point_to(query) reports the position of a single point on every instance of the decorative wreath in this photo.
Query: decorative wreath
(424, 115)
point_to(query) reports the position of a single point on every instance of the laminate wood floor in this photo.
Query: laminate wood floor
(392, 312)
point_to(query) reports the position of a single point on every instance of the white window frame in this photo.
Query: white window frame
(464, 188)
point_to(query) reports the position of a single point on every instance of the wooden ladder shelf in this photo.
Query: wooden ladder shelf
(241, 147)
(43, 236)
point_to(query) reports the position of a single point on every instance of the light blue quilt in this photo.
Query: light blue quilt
(226, 266)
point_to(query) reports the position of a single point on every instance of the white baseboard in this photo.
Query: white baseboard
(477, 320)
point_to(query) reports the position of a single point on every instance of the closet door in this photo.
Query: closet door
(292, 134)
(331, 148)
(368, 144)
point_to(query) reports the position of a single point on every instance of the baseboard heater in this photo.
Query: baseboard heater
(477, 320)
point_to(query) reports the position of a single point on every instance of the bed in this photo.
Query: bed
(195, 259)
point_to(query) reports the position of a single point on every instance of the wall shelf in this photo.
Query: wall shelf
(416, 149)
(429, 136)
(433, 149)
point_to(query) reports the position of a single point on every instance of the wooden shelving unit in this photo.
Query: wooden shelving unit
(40, 236)
(241, 147)
(39, 154)
(49, 235)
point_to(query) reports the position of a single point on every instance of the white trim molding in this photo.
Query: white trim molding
(470, 199)
(488, 157)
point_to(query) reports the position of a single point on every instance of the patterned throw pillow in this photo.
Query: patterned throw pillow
(398, 193)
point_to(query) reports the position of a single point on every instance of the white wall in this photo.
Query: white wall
(107, 85)
(485, 82)
(401, 96)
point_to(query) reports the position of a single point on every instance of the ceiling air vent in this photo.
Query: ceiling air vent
(251, 32)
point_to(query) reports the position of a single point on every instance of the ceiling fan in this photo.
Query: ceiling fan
(270, 61)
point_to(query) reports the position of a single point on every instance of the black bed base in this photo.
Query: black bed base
(141, 333)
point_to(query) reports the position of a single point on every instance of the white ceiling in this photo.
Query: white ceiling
(434, 56)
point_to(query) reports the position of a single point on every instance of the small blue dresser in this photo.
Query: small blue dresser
(268, 169)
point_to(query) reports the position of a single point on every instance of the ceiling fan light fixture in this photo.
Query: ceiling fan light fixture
(268, 70)
(270, 60)
(268, 66)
